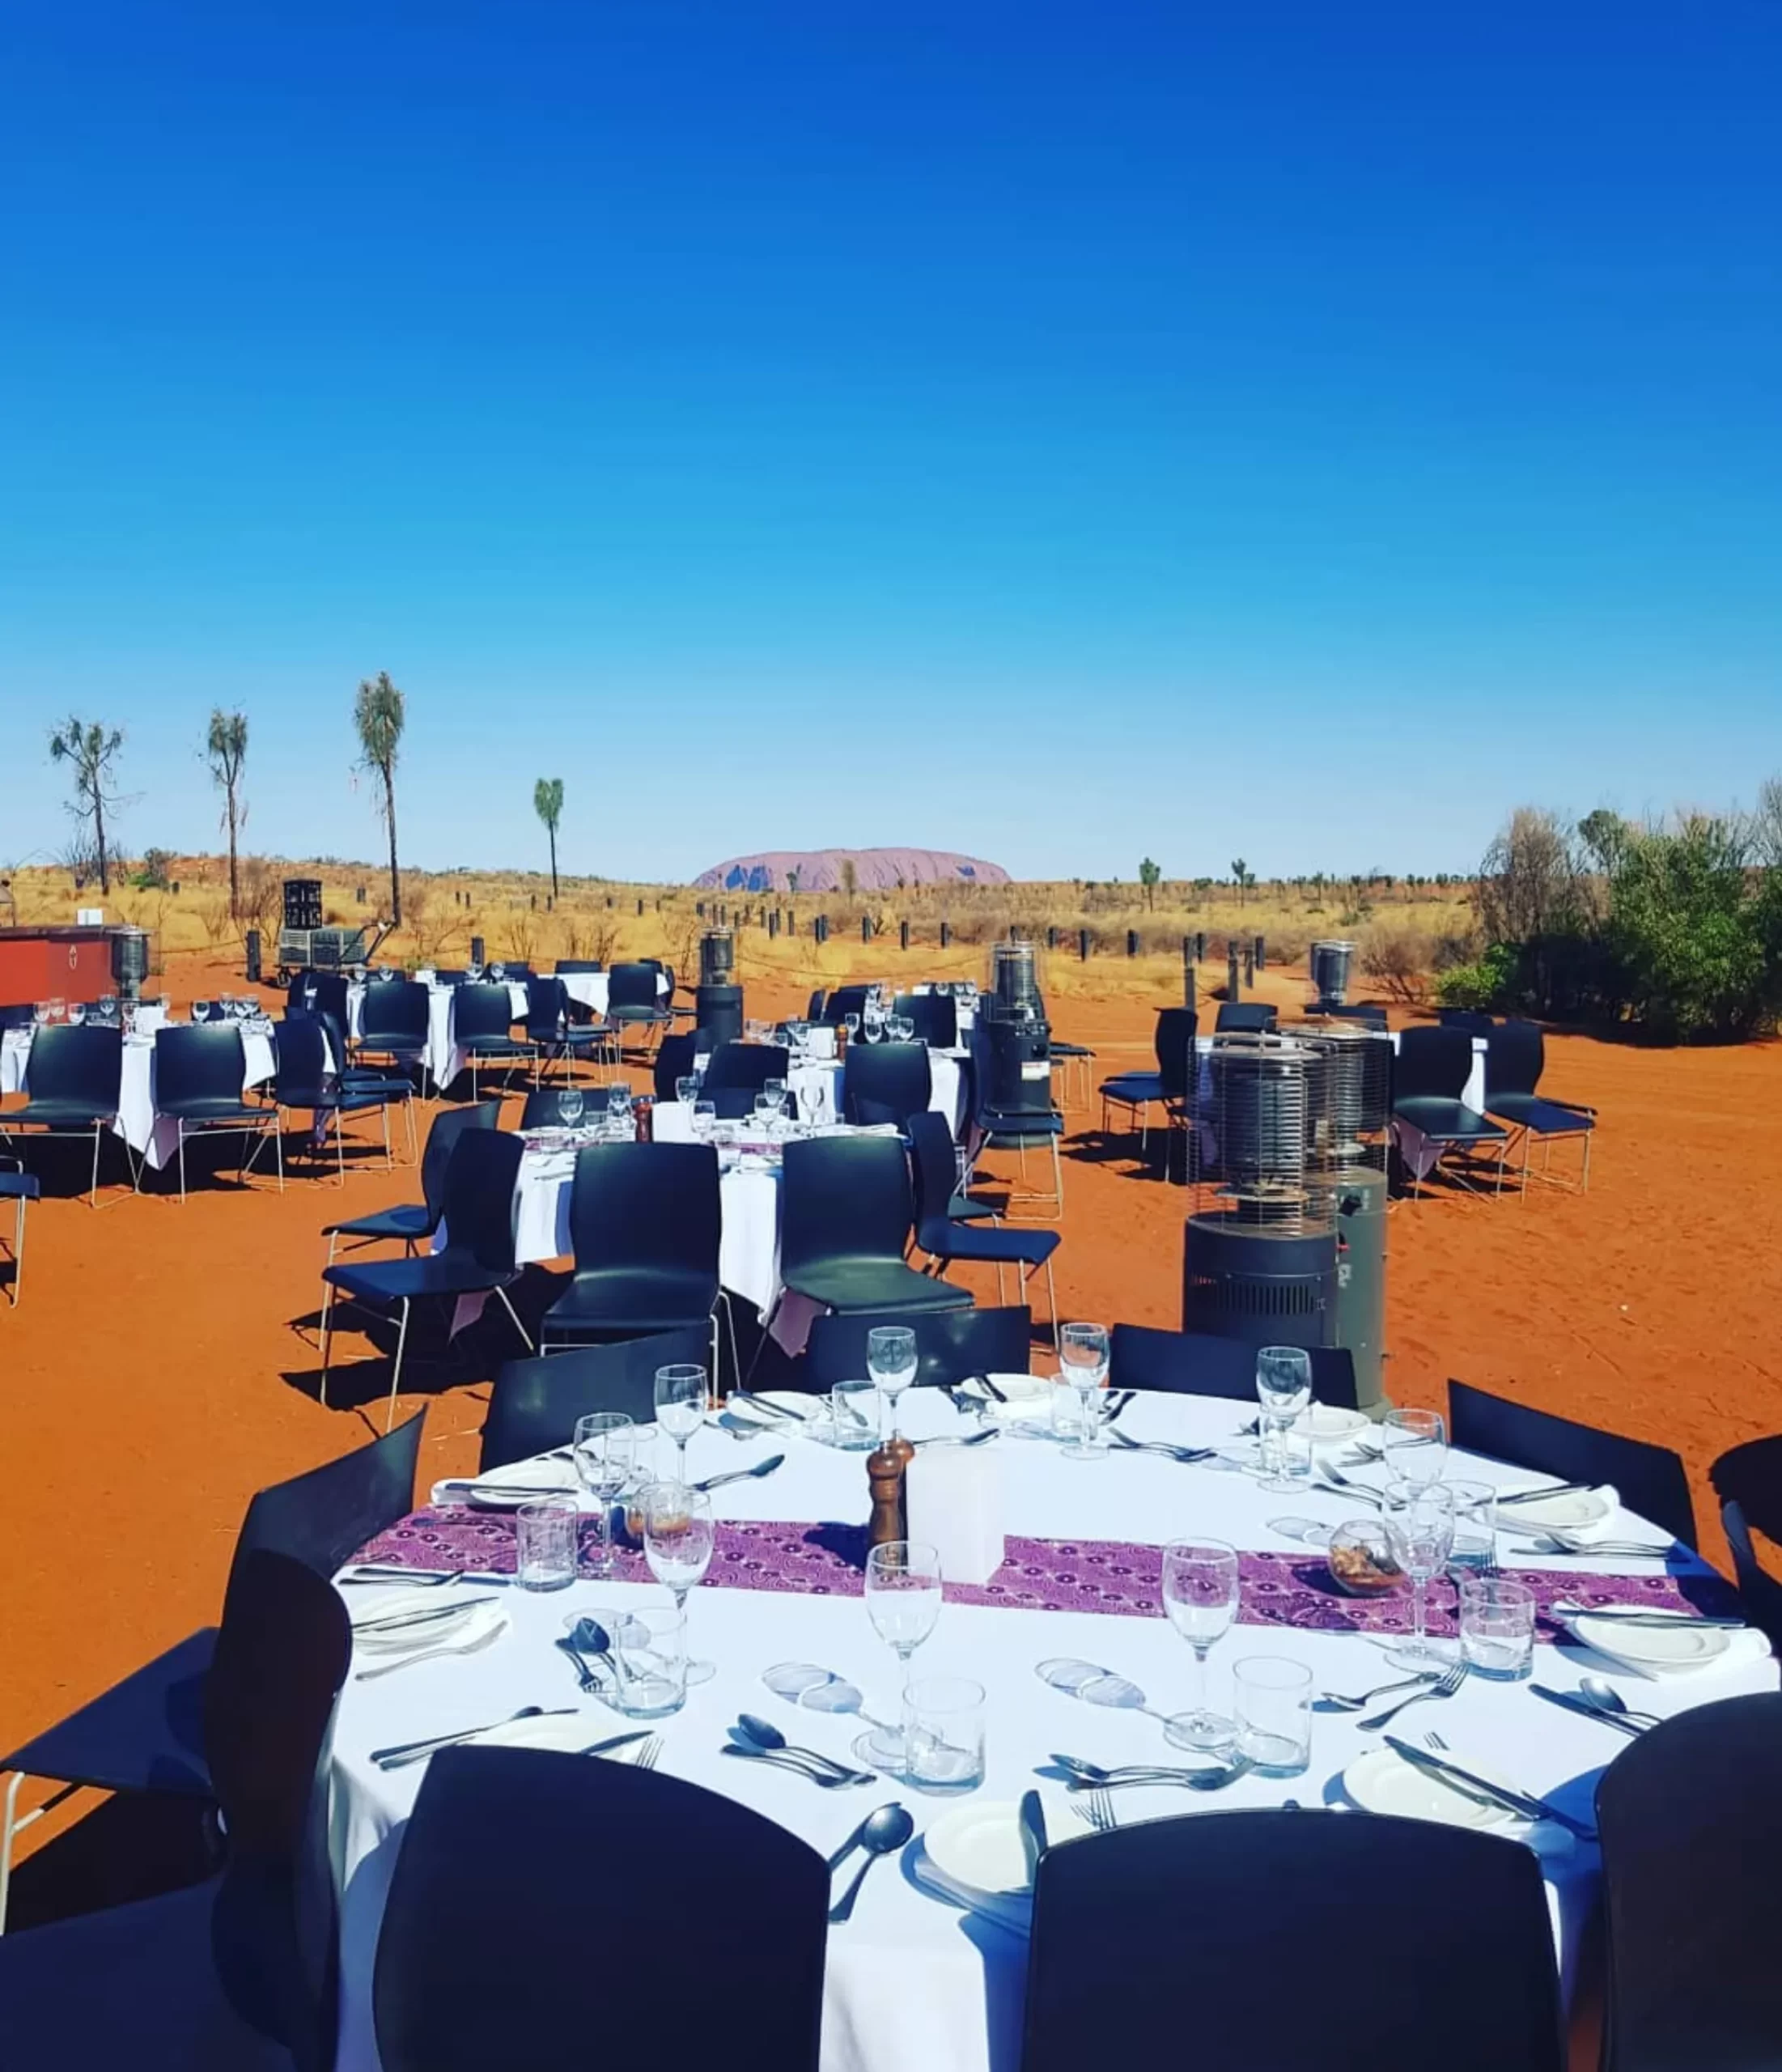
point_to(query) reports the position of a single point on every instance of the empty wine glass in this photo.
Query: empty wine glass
(681, 1404)
(891, 1361)
(1200, 1597)
(852, 1023)
(570, 1104)
(764, 1111)
(903, 1599)
(77, 1013)
(201, 1010)
(1283, 1391)
(686, 1090)
(497, 972)
(1415, 1445)
(1419, 1518)
(1083, 1362)
(678, 1539)
(618, 1104)
(775, 1091)
(603, 1451)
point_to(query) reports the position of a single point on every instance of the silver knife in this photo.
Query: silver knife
(1552, 1490)
(1123, 1399)
(1033, 1832)
(755, 1473)
(1630, 1615)
(767, 1409)
(1573, 1704)
(1524, 1804)
(990, 1388)
(399, 1622)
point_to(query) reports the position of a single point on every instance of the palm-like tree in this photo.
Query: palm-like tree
(226, 747)
(548, 804)
(378, 714)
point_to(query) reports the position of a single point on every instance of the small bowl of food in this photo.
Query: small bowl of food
(1360, 1559)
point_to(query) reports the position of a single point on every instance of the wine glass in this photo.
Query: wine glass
(1284, 1391)
(775, 1091)
(618, 1105)
(77, 1013)
(1200, 1599)
(201, 1010)
(604, 1451)
(678, 1539)
(1415, 1445)
(686, 1090)
(764, 1112)
(497, 972)
(852, 1023)
(1083, 1362)
(570, 1105)
(903, 1602)
(891, 1361)
(680, 1405)
(705, 1120)
(1419, 1518)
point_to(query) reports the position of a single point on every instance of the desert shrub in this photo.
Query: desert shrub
(1528, 881)
(1487, 984)
(155, 873)
(1398, 956)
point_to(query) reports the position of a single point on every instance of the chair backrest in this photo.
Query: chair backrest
(674, 1058)
(1236, 1017)
(443, 1132)
(202, 1064)
(452, 979)
(83, 1064)
(270, 1695)
(300, 1049)
(813, 1008)
(935, 1016)
(515, 973)
(324, 1516)
(578, 964)
(1431, 1064)
(541, 1111)
(1197, 1363)
(481, 1010)
(479, 1197)
(1515, 1058)
(317, 992)
(394, 1016)
(885, 1082)
(1650, 1479)
(1691, 1817)
(645, 1205)
(1133, 1927)
(844, 1001)
(1761, 1591)
(735, 1104)
(547, 1006)
(933, 1167)
(843, 1197)
(535, 1402)
(1751, 1475)
(631, 987)
(747, 1065)
(1471, 1019)
(951, 1345)
(1174, 1040)
(756, 2004)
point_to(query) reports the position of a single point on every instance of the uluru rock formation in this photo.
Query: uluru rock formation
(820, 870)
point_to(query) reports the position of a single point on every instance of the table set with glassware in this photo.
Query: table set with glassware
(139, 1123)
(1105, 1607)
(443, 1058)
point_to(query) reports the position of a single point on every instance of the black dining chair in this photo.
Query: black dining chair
(535, 1402)
(951, 1345)
(644, 1224)
(677, 1058)
(1690, 1815)
(813, 1006)
(239, 1972)
(935, 1016)
(482, 1027)
(945, 1240)
(745, 1068)
(846, 1217)
(410, 1223)
(553, 1033)
(1196, 1363)
(1173, 1041)
(998, 1059)
(318, 992)
(145, 1733)
(1760, 1592)
(844, 1001)
(736, 1104)
(477, 1258)
(1515, 1058)
(305, 1080)
(394, 1023)
(74, 1077)
(1748, 1480)
(756, 2002)
(575, 966)
(1650, 1480)
(18, 1187)
(370, 1085)
(198, 1076)
(1247, 1018)
(1110, 1970)
(886, 1083)
(635, 1005)
(1429, 1077)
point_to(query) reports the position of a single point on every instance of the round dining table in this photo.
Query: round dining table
(927, 1974)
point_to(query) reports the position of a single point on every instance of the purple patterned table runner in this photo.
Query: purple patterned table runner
(1040, 1575)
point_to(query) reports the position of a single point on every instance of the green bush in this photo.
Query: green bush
(1489, 985)
(1695, 935)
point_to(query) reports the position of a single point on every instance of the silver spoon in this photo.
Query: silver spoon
(1340, 1702)
(796, 1766)
(886, 1831)
(766, 1736)
(742, 1473)
(1086, 1776)
(967, 1439)
(1598, 1691)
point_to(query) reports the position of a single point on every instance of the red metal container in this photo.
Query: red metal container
(54, 963)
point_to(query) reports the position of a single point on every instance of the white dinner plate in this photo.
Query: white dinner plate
(1584, 1511)
(1382, 1782)
(458, 1625)
(1329, 1425)
(496, 1490)
(367, 1607)
(979, 1846)
(1030, 1399)
(1655, 1650)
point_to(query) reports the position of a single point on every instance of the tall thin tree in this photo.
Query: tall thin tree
(90, 751)
(225, 746)
(378, 713)
(548, 804)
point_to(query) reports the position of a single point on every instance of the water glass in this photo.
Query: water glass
(943, 1734)
(891, 1361)
(854, 1416)
(649, 1657)
(547, 1531)
(1475, 1526)
(569, 1107)
(1497, 1627)
(1271, 1711)
(1415, 1445)
(1083, 1361)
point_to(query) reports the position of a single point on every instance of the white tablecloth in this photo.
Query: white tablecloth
(913, 1984)
(589, 988)
(822, 1083)
(148, 1134)
(443, 1058)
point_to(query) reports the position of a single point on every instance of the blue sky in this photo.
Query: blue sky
(1062, 433)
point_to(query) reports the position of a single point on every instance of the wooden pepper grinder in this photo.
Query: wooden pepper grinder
(885, 1468)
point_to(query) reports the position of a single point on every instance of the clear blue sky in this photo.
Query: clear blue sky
(1301, 430)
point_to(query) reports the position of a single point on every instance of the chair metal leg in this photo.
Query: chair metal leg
(18, 1288)
(518, 1326)
(730, 1325)
(180, 1128)
(396, 1372)
(92, 1191)
(328, 1335)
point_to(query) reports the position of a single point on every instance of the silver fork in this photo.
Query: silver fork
(1435, 1741)
(649, 1753)
(1096, 1808)
(1449, 1684)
